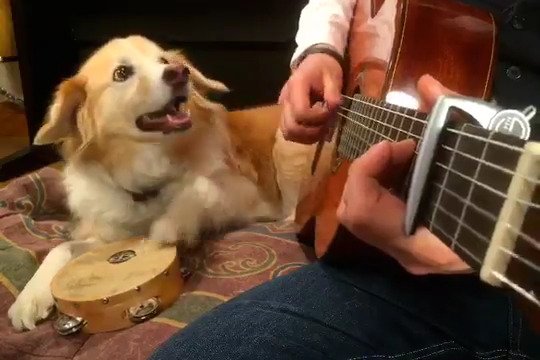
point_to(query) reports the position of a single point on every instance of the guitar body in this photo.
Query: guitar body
(392, 43)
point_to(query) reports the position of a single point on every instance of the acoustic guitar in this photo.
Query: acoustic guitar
(478, 179)
(116, 286)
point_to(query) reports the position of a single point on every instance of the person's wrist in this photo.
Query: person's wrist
(320, 48)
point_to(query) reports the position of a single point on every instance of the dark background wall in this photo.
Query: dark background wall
(246, 44)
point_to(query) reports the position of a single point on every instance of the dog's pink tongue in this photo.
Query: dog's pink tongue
(178, 121)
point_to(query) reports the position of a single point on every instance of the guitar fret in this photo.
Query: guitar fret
(380, 123)
(350, 148)
(385, 126)
(368, 122)
(442, 234)
(351, 151)
(371, 135)
(379, 134)
(469, 194)
(367, 126)
(468, 173)
(446, 173)
(408, 178)
(417, 129)
(343, 138)
(347, 145)
(360, 110)
(401, 120)
(410, 131)
(461, 224)
(389, 121)
(527, 244)
(393, 116)
(363, 146)
(350, 130)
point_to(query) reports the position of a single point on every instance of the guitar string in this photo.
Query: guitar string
(493, 217)
(481, 161)
(467, 251)
(528, 295)
(501, 277)
(507, 281)
(476, 182)
(520, 258)
(491, 142)
(422, 121)
(483, 238)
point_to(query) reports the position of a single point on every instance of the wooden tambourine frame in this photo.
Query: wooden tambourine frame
(116, 286)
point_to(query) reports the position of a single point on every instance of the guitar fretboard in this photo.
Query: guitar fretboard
(469, 180)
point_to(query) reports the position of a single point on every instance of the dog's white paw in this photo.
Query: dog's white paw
(34, 303)
(168, 231)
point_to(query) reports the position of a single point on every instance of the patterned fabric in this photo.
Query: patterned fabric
(33, 220)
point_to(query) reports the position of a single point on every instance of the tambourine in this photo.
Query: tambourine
(116, 286)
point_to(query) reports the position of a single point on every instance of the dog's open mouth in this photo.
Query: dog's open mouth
(172, 117)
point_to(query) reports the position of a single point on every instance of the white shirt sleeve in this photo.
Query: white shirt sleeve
(324, 21)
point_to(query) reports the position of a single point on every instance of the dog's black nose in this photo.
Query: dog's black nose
(175, 74)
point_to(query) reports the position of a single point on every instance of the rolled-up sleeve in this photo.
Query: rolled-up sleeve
(324, 21)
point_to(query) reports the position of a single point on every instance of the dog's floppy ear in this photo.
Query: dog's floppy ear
(201, 82)
(61, 117)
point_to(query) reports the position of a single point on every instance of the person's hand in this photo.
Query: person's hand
(317, 79)
(374, 214)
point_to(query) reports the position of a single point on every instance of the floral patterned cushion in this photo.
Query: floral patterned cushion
(32, 220)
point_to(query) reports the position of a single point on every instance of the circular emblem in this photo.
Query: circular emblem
(121, 256)
(511, 122)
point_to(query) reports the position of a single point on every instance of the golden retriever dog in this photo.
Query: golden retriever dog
(148, 154)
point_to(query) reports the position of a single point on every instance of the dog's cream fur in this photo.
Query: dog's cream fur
(228, 168)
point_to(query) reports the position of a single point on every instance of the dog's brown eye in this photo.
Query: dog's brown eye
(163, 60)
(122, 73)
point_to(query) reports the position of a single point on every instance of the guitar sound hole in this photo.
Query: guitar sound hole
(121, 256)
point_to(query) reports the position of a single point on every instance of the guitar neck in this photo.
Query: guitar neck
(472, 202)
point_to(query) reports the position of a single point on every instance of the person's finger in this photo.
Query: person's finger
(299, 94)
(370, 211)
(382, 157)
(300, 134)
(317, 116)
(402, 151)
(367, 208)
(429, 90)
(402, 154)
(292, 131)
(283, 94)
(332, 93)
(302, 110)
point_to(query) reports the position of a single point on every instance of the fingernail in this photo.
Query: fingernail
(436, 86)
(379, 145)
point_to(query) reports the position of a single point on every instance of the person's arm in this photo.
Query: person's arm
(323, 22)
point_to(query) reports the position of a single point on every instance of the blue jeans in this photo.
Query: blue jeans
(370, 311)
